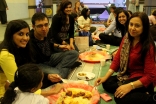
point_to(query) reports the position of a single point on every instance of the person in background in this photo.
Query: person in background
(112, 15)
(119, 27)
(132, 6)
(3, 14)
(15, 51)
(76, 25)
(84, 22)
(152, 18)
(83, 6)
(77, 9)
(27, 79)
(62, 26)
(153, 32)
(135, 65)
(130, 13)
(137, 5)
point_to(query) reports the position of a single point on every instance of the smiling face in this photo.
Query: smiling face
(122, 18)
(68, 9)
(135, 27)
(21, 37)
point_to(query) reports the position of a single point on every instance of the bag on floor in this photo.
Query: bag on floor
(82, 42)
(82, 33)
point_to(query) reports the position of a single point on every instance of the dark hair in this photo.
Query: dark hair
(84, 13)
(117, 10)
(154, 13)
(113, 7)
(119, 26)
(38, 16)
(145, 37)
(129, 12)
(74, 15)
(26, 77)
(153, 31)
(61, 9)
(22, 55)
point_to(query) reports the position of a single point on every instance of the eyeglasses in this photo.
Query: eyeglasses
(41, 25)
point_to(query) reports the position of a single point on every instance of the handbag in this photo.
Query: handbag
(82, 42)
(83, 33)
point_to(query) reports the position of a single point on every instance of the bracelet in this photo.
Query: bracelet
(132, 85)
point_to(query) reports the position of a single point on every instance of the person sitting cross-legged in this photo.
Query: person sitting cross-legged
(43, 48)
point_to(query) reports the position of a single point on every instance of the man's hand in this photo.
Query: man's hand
(72, 47)
(65, 47)
(54, 77)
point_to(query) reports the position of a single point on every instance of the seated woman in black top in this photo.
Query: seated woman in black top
(63, 25)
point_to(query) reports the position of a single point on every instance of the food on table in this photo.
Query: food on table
(94, 56)
(82, 74)
(75, 96)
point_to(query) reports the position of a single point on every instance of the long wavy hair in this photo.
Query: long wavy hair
(122, 28)
(145, 38)
(61, 9)
(22, 55)
(75, 5)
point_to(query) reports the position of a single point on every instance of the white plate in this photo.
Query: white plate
(88, 76)
(76, 81)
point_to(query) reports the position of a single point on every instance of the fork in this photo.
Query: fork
(63, 80)
(94, 88)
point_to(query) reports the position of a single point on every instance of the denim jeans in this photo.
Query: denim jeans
(60, 63)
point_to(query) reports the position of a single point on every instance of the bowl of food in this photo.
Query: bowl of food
(85, 75)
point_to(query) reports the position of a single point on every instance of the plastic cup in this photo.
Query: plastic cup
(102, 62)
(108, 46)
(94, 46)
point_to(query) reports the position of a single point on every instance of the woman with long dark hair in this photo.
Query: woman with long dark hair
(118, 26)
(63, 25)
(135, 64)
(77, 9)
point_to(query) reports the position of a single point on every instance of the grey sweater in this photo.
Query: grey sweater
(111, 28)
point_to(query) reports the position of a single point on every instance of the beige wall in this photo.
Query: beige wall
(18, 9)
(31, 10)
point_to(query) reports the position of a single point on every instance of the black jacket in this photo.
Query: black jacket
(38, 56)
(57, 25)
